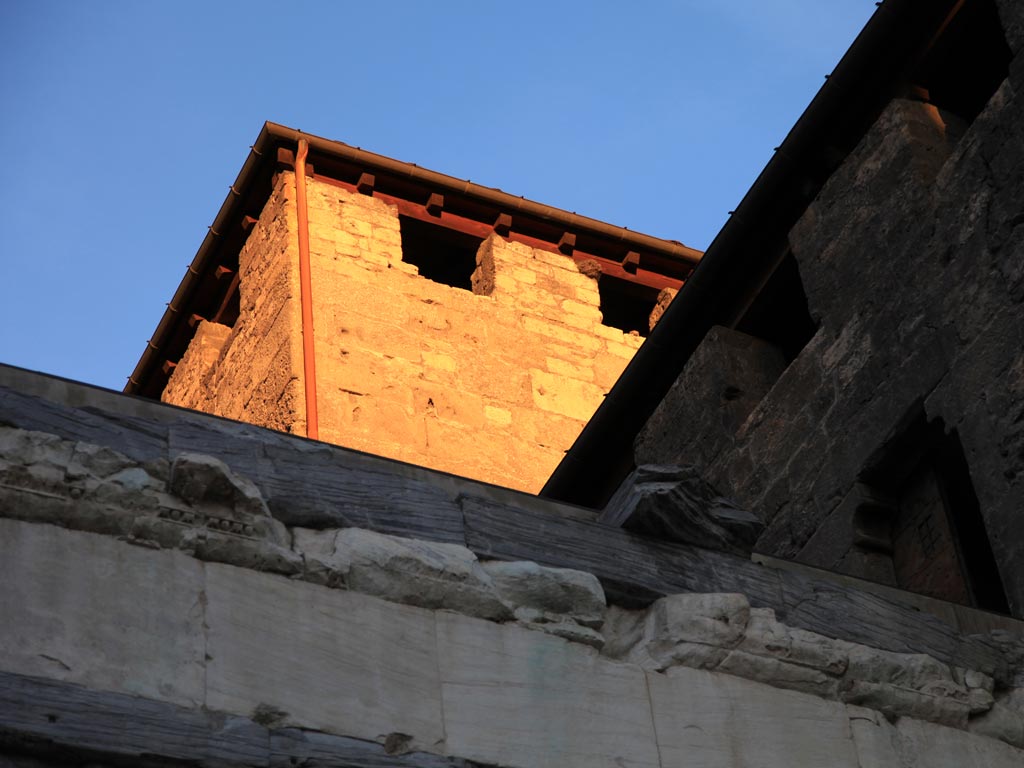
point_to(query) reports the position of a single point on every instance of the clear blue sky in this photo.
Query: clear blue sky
(125, 123)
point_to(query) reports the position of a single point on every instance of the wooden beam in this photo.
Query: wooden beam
(366, 183)
(435, 204)
(61, 721)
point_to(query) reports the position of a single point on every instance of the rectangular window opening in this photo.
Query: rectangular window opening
(779, 314)
(967, 63)
(441, 254)
(939, 544)
(625, 305)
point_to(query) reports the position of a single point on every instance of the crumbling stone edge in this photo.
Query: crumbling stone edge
(197, 505)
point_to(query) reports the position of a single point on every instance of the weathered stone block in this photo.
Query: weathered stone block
(325, 659)
(427, 574)
(88, 609)
(550, 594)
(521, 698)
(721, 384)
(709, 719)
(677, 504)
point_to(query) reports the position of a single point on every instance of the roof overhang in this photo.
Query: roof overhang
(206, 291)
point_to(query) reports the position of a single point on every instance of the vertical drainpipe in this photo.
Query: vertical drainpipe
(306, 292)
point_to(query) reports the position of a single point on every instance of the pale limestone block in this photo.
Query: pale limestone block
(567, 397)
(696, 630)
(566, 368)
(766, 636)
(439, 361)
(586, 324)
(625, 350)
(524, 275)
(705, 719)
(505, 283)
(558, 593)
(553, 258)
(89, 609)
(874, 739)
(516, 697)
(609, 333)
(585, 310)
(500, 416)
(904, 684)
(560, 333)
(1005, 720)
(335, 661)
(927, 745)
(424, 573)
(779, 674)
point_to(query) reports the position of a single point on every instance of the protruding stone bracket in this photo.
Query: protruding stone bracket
(248, 222)
(435, 204)
(366, 183)
(567, 243)
(503, 224)
(675, 503)
(632, 262)
(224, 272)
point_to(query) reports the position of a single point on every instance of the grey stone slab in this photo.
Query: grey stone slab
(926, 745)
(874, 738)
(324, 659)
(517, 697)
(89, 609)
(711, 720)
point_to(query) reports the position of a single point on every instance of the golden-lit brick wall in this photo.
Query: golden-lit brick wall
(493, 382)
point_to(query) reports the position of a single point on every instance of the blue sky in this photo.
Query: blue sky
(125, 123)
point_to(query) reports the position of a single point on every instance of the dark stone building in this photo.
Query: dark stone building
(847, 360)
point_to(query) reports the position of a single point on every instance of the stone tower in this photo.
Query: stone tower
(446, 327)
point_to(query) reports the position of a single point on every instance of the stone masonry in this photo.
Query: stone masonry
(493, 383)
(911, 260)
(230, 635)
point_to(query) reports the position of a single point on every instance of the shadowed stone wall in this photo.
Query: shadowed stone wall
(912, 260)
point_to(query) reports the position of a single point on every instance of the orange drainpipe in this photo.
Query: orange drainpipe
(306, 292)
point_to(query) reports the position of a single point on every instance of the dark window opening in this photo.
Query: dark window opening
(625, 305)
(967, 62)
(441, 254)
(779, 314)
(939, 544)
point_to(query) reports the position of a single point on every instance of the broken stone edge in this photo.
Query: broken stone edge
(197, 505)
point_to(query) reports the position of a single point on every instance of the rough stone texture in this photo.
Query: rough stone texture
(722, 633)
(494, 383)
(911, 258)
(427, 574)
(560, 601)
(664, 299)
(1005, 719)
(196, 505)
(265, 651)
(675, 503)
(335, 487)
(722, 382)
(255, 375)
